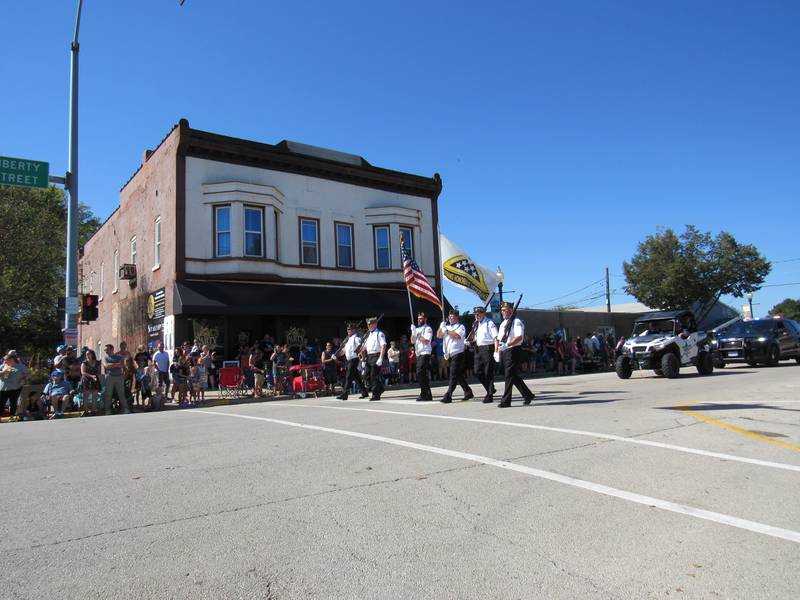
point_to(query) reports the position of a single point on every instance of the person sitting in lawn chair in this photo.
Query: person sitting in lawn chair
(58, 394)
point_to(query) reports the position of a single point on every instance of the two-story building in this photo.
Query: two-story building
(233, 239)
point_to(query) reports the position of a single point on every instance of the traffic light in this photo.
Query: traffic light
(88, 308)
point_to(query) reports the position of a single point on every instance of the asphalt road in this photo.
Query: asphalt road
(603, 488)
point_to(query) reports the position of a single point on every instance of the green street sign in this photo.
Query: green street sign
(24, 172)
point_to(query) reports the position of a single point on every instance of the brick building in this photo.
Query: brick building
(232, 239)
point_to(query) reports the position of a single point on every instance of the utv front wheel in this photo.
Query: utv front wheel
(623, 367)
(670, 365)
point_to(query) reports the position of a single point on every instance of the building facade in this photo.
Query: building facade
(233, 239)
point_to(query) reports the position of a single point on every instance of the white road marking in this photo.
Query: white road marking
(776, 532)
(594, 434)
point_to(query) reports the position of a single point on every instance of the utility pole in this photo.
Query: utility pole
(608, 293)
(70, 314)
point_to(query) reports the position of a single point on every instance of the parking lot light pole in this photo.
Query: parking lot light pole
(750, 302)
(500, 276)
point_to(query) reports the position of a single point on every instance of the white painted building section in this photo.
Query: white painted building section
(285, 199)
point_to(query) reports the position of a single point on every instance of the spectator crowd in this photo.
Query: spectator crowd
(123, 382)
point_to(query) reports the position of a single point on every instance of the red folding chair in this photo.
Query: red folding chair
(232, 384)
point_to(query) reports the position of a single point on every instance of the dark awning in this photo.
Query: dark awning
(222, 298)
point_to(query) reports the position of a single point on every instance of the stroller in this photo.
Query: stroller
(307, 379)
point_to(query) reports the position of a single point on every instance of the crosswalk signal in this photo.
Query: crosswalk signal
(88, 307)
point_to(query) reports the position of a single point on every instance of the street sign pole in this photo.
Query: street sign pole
(71, 318)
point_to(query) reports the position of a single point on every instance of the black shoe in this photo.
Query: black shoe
(364, 396)
(421, 399)
(342, 397)
(488, 400)
(528, 400)
(374, 398)
(504, 405)
(468, 396)
(445, 400)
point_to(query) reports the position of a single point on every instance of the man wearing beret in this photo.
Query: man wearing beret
(508, 344)
(485, 334)
(453, 335)
(421, 337)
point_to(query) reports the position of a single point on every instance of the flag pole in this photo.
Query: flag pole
(441, 270)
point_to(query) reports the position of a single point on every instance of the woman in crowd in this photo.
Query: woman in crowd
(13, 375)
(393, 354)
(206, 361)
(330, 372)
(90, 383)
(560, 356)
(574, 353)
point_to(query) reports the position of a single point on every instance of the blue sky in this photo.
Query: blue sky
(565, 132)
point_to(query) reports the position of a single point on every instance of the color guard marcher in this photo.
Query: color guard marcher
(375, 348)
(483, 338)
(453, 336)
(351, 374)
(421, 337)
(508, 345)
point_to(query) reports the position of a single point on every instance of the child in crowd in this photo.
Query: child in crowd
(33, 408)
(194, 385)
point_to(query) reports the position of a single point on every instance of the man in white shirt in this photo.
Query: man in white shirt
(483, 337)
(351, 374)
(453, 335)
(421, 337)
(375, 347)
(508, 344)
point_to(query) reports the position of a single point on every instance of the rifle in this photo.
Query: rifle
(510, 325)
(471, 336)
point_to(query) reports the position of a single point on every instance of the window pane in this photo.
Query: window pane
(252, 219)
(343, 233)
(252, 244)
(223, 244)
(223, 219)
(309, 254)
(309, 231)
(383, 258)
(345, 256)
(407, 238)
(382, 237)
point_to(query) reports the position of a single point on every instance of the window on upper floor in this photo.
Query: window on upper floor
(157, 243)
(222, 230)
(383, 251)
(309, 241)
(253, 231)
(133, 250)
(116, 271)
(344, 245)
(407, 239)
(102, 280)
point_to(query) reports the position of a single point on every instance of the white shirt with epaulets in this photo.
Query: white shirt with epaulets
(453, 346)
(517, 331)
(423, 331)
(351, 347)
(485, 333)
(375, 339)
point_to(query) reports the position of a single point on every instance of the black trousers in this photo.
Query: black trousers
(351, 374)
(424, 376)
(511, 360)
(484, 367)
(375, 377)
(11, 396)
(456, 366)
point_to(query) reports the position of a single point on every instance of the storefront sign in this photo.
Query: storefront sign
(208, 332)
(156, 311)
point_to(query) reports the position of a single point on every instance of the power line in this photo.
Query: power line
(775, 262)
(567, 295)
(781, 284)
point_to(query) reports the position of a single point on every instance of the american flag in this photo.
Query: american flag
(415, 279)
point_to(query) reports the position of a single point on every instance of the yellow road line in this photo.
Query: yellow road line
(734, 428)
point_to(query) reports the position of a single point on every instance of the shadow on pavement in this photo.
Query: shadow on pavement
(700, 407)
(562, 402)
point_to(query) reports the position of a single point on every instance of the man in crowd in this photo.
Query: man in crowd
(421, 337)
(453, 335)
(113, 366)
(59, 392)
(161, 360)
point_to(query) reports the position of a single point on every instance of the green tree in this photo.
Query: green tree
(32, 258)
(788, 309)
(672, 272)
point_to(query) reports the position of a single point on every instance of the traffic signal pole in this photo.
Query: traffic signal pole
(70, 314)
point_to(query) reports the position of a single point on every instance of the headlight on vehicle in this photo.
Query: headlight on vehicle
(761, 339)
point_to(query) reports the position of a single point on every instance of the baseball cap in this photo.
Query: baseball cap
(61, 348)
(56, 374)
